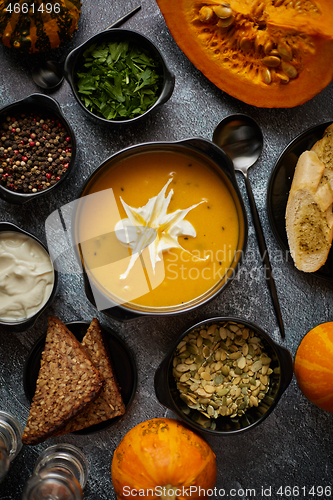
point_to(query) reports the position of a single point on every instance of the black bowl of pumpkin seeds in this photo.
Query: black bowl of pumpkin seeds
(223, 376)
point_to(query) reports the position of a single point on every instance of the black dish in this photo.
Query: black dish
(169, 396)
(24, 325)
(279, 186)
(74, 61)
(213, 156)
(35, 103)
(122, 360)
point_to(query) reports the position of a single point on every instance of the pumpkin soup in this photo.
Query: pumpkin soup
(173, 237)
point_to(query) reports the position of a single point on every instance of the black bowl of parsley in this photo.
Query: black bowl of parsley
(118, 76)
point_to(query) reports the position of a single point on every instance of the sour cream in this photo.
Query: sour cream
(151, 226)
(26, 276)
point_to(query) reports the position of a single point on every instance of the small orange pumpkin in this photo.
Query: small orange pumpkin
(314, 366)
(161, 458)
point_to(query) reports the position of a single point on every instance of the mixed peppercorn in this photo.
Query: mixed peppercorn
(35, 152)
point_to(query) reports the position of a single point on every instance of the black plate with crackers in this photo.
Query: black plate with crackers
(122, 360)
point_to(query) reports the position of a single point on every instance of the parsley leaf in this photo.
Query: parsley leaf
(118, 80)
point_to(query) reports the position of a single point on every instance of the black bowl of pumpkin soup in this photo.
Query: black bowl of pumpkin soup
(160, 229)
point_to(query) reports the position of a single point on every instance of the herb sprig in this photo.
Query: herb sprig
(118, 80)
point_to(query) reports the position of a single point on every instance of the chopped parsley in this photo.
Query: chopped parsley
(118, 80)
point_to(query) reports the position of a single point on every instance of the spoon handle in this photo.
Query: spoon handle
(123, 19)
(264, 255)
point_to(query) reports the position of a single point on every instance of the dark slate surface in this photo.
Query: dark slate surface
(293, 447)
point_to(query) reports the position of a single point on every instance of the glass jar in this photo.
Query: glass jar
(60, 473)
(10, 441)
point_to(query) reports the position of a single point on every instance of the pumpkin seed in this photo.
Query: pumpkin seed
(204, 334)
(192, 349)
(210, 410)
(289, 69)
(268, 47)
(235, 355)
(222, 11)
(285, 52)
(186, 376)
(282, 77)
(202, 392)
(182, 368)
(225, 23)
(241, 362)
(205, 13)
(209, 389)
(223, 333)
(211, 329)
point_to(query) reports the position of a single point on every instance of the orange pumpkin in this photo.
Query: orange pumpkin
(314, 366)
(163, 459)
(272, 54)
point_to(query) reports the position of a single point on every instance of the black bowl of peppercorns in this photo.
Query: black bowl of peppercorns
(37, 148)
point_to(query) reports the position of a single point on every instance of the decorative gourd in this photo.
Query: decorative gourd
(38, 26)
(163, 456)
(268, 53)
(314, 366)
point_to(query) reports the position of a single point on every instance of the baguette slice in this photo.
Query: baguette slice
(309, 218)
(324, 151)
(67, 381)
(109, 403)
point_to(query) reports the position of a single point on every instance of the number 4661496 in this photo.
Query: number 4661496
(31, 8)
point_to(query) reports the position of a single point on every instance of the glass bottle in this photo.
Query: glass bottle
(60, 473)
(10, 441)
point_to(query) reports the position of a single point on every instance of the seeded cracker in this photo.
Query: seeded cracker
(67, 381)
(109, 403)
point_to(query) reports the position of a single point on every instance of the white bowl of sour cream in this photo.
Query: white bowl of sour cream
(27, 278)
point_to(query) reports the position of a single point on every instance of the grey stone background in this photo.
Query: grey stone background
(293, 446)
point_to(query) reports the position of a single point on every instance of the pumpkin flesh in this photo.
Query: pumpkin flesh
(314, 366)
(162, 453)
(232, 56)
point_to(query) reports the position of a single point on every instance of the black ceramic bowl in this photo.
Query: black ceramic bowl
(74, 61)
(25, 324)
(219, 162)
(33, 104)
(168, 394)
(122, 360)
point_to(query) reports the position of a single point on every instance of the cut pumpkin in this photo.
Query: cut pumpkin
(268, 53)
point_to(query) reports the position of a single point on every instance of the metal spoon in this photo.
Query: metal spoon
(241, 138)
(49, 74)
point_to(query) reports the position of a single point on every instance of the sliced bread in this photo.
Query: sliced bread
(109, 403)
(309, 218)
(324, 150)
(67, 381)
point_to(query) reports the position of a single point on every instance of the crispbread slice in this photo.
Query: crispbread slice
(67, 381)
(109, 403)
